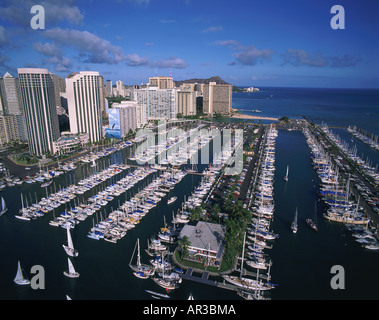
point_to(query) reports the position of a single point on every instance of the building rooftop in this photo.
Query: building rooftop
(207, 236)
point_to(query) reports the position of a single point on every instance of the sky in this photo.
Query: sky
(246, 42)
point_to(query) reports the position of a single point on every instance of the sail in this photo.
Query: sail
(19, 275)
(19, 279)
(69, 239)
(71, 268)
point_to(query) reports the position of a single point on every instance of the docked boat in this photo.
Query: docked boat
(166, 283)
(171, 200)
(247, 283)
(46, 184)
(141, 271)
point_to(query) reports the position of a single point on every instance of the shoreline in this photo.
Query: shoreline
(250, 117)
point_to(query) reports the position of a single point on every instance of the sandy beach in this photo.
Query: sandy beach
(249, 117)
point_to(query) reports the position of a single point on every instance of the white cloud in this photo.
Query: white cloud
(47, 49)
(172, 62)
(213, 29)
(92, 49)
(18, 12)
(250, 55)
(134, 60)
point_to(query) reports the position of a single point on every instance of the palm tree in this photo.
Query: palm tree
(184, 243)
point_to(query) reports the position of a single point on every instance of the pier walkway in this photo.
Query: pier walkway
(204, 279)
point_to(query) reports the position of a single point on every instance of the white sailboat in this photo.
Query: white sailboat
(71, 270)
(70, 250)
(286, 177)
(93, 165)
(294, 223)
(141, 271)
(171, 200)
(4, 208)
(20, 279)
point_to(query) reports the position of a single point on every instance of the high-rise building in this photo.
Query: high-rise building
(217, 98)
(84, 106)
(102, 94)
(186, 102)
(162, 82)
(60, 87)
(127, 116)
(109, 88)
(38, 100)
(160, 103)
(120, 88)
(11, 109)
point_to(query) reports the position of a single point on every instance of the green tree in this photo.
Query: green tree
(184, 243)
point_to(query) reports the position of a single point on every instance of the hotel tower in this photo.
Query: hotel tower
(38, 100)
(84, 105)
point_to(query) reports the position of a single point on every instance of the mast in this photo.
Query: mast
(243, 253)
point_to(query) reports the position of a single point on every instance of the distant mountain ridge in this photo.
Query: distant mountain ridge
(216, 79)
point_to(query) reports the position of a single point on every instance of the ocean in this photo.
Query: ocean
(301, 263)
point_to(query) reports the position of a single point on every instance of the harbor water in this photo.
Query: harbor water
(302, 262)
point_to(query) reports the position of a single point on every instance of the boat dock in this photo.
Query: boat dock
(204, 279)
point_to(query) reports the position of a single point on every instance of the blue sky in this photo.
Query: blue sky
(248, 43)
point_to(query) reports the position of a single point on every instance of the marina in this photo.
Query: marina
(128, 205)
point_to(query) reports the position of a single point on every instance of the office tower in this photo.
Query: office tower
(84, 106)
(160, 103)
(141, 115)
(109, 88)
(217, 98)
(162, 82)
(127, 116)
(59, 87)
(120, 88)
(11, 110)
(186, 102)
(38, 99)
(102, 94)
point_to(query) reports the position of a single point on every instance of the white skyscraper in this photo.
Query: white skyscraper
(160, 103)
(38, 99)
(120, 88)
(128, 116)
(84, 105)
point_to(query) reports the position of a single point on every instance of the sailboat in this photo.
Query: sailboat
(171, 200)
(140, 270)
(286, 177)
(93, 165)
(294, 223)
(71, 270)
(312, 223)
(47, 183)
(244, 282)
(4, 208)
(20, 279)
(70, 250)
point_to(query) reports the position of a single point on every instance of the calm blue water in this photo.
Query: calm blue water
(336, 107)
(301, 262)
